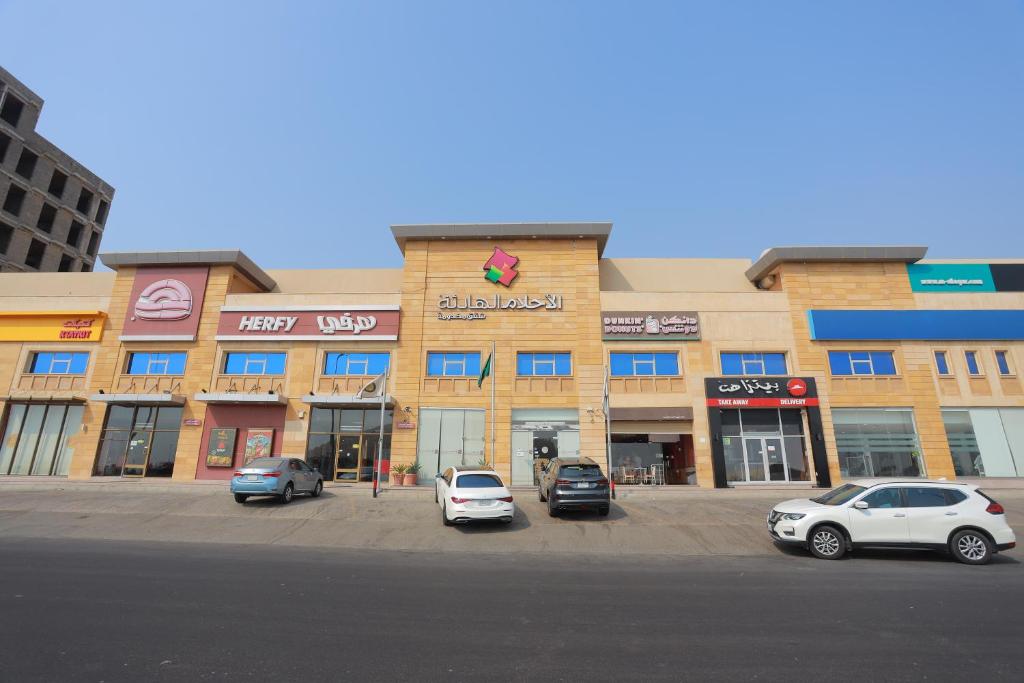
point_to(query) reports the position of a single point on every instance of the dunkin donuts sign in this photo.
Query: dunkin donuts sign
(165, 304)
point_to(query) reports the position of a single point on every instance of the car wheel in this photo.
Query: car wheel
(540, 494)
(444, 515)
(289, 493)
(971, 547)
(241, 497)
(317, 490)
(552, 509)
(605, 509)
(827, 543)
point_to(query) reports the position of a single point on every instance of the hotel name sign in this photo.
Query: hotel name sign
(469, 307)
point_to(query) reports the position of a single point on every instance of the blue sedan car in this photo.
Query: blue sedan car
(281, 477)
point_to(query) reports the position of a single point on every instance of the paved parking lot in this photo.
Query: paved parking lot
(663, 522)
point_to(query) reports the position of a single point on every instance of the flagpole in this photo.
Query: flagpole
(493, 460)
(379, 464)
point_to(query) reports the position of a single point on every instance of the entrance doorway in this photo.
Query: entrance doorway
(449, 437)
(764, 445)
(763, 458)
(539, 435)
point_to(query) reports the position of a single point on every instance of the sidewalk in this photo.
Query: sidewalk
(642, 522)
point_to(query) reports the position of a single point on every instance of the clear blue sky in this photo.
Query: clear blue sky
(300, 131)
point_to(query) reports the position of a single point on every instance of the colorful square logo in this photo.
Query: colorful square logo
(501, 267)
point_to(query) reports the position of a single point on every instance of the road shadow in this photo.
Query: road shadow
(520, 522)
(895, 555)
(298, 499)
(615, 512)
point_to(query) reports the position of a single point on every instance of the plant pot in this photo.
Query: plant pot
(395, 479)
(409, 479)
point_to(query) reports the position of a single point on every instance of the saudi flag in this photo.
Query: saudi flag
(485, 372)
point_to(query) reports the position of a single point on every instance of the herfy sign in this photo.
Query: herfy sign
(760, 392)
(650, 325)
(308, 323)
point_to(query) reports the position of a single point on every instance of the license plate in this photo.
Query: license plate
(583, 485)
(252, 477)
(482, 503)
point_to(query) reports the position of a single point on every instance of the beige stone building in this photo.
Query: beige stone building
(508, 344)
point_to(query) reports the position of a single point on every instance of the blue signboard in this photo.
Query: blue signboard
(950, 277)
(916, 325)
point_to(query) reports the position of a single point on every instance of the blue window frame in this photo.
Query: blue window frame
(861, 363)
(250, 363)
(972, 363)
(59, 363)
(156, 363)
(941, 363)
(543, 364)
(644, 364)
(753, 364)
(453, 364)
(1003, 363)
(336, 363)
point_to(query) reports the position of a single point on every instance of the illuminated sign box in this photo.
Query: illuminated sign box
(51, 326)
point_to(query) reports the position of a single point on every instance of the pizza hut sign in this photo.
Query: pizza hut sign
(761, 392)
(650, 325)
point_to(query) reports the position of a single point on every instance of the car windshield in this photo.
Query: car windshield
(840, 495)
(478, 481)
(265, 463)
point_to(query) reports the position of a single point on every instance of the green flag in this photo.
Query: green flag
(484, 372)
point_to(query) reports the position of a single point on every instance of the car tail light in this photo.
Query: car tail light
(602, 482)
(995, 508)
(272, 474)
(563, 482)
(506, 499)
(239, 473)
(459, 500)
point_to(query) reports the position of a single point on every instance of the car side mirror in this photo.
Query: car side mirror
(437, 476)
(861, 505)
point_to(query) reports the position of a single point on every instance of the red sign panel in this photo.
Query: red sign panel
(762, 402)
(165, 303)
(304, 324)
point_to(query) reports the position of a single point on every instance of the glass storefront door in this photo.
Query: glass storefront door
(447, 437)
(764, 445)
(139, 441)
(343, 442)
(539, 435)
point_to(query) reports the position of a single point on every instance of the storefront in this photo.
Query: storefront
(763, 429)
(877, 442)
(36, 436)
(344, 442)
(539, 435)
(449, 437)
(653, 446)
(986, 442)
(234, 434)
(139, 440)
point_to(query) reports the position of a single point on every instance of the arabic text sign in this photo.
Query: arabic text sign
(650, 325)
(761, 392)
(471, 307)
(49, 327)
(327, 323)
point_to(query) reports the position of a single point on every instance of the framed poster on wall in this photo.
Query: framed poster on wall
(221, 450)
(258, 444)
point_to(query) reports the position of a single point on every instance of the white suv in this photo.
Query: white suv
(934, 515)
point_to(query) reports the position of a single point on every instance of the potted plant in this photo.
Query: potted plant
(410, 476)
(396, 474)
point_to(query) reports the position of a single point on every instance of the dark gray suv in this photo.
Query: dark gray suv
(574, 483)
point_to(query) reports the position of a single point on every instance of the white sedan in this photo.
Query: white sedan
(932, 515)
(467, 495)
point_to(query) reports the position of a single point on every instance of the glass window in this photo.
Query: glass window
(58, 363)
(343, 442)
(840, 495)
(972, 363)
(877, 442)
(753, 363)
(941, 365)
(156, 363)
(986, 442)
(543, 364)
(336, 363)
(139, 441)
(1003, 363)
(644, 364)
(453, 364)
(884, 498)
(254, 363)
(861, 363)
(925, 497)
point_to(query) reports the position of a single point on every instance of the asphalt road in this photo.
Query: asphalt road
(74, 610)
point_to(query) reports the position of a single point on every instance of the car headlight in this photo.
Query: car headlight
(793, 516)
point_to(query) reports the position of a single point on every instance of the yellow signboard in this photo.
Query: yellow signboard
(51, 326)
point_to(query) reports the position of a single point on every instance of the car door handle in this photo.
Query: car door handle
(950, 514)
(900, 514)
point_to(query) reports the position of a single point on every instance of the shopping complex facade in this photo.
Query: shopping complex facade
(508, 344)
